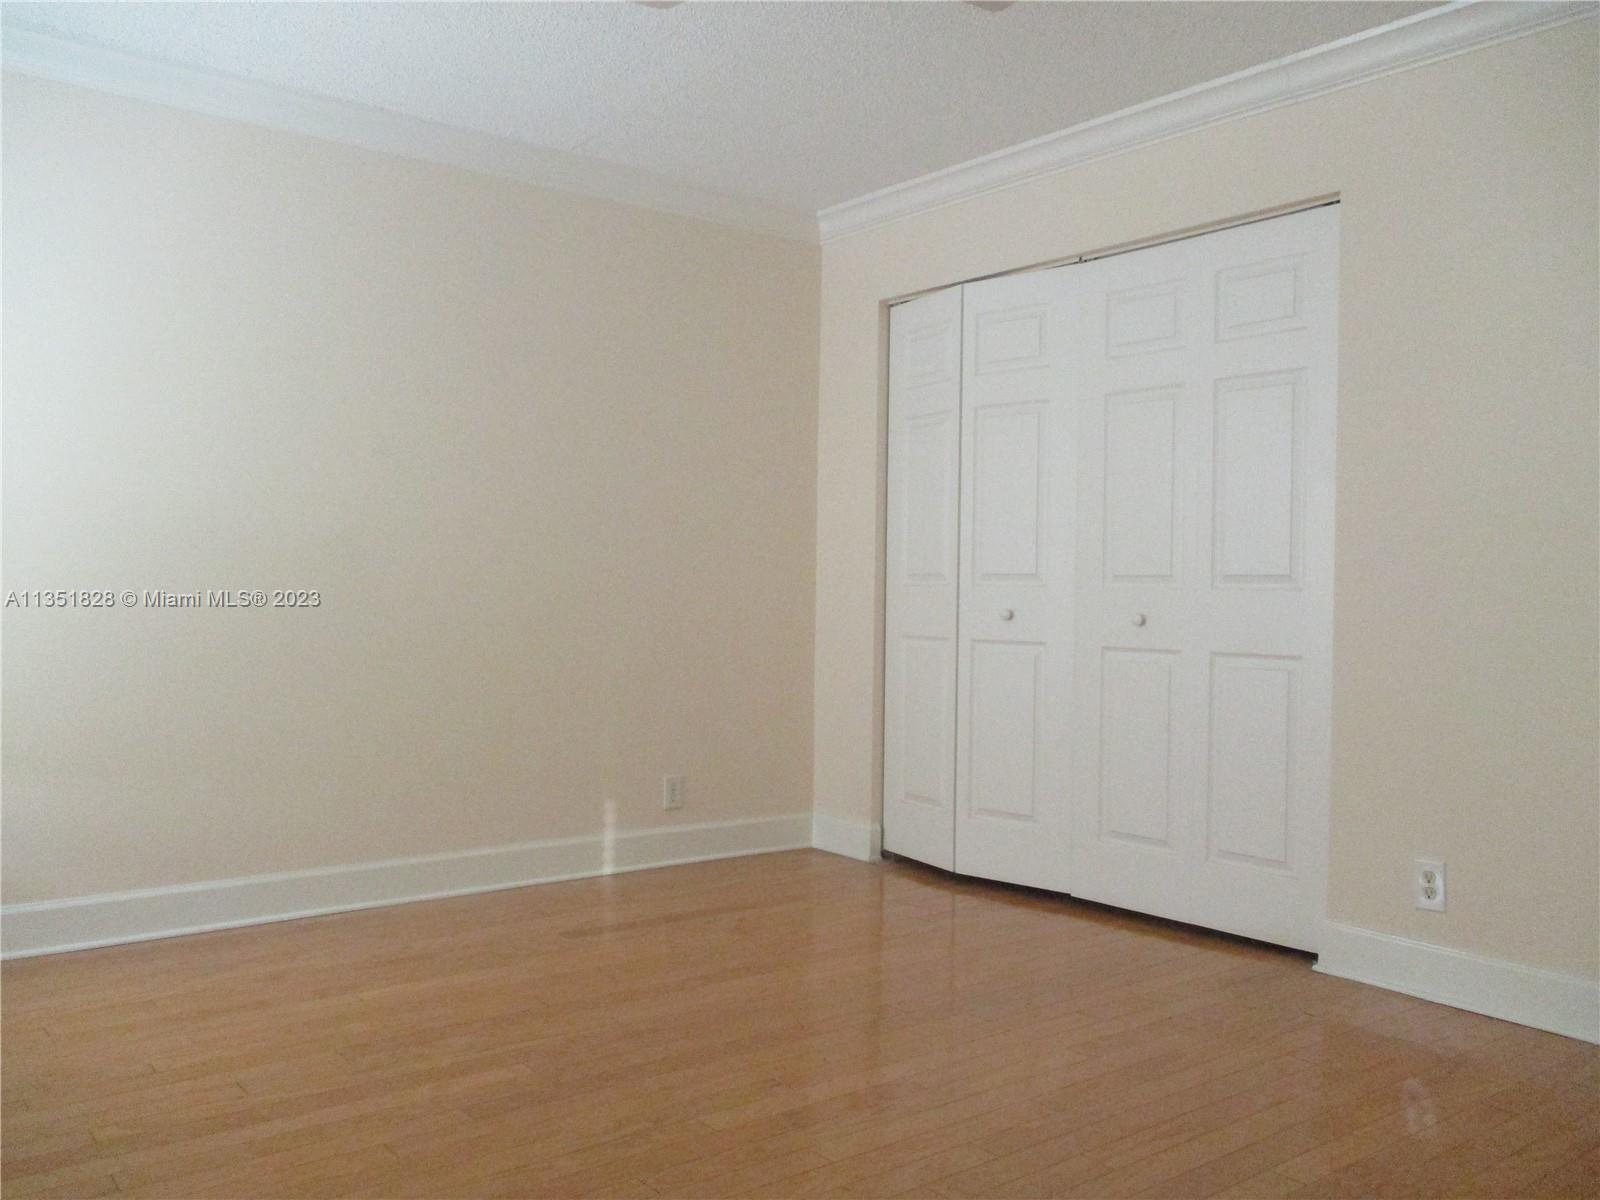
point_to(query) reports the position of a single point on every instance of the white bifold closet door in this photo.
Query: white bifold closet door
(919, 659)
(1109, 578)
(978, 629)
(1014, 670)
(1205, 372)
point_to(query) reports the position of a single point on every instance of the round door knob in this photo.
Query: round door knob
(1007, 613)
(1139, 619)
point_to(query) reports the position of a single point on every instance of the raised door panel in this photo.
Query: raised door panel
(1251, 768)
(928, 498)
(929, 355)
(1256, 507)
(1013, 338)
(1004, 730)
(927, 719)
(1254, 298)
(1136, 746)
(1007, 481)
(1140, 485)
(1145, 319)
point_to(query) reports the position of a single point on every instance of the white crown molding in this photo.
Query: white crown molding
(84, 922)
(221, 95)
(1399, 46)
(1439, 33)
(1565, 1004)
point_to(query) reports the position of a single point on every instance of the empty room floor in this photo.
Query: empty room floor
(785, 1025)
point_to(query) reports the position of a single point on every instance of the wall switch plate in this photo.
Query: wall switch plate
(671, 792)
(1428, 880)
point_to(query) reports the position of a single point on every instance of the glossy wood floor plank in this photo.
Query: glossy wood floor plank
(793, 1025)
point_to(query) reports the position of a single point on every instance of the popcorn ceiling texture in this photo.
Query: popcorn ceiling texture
(799, 106)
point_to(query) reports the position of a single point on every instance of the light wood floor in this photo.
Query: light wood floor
(789, 1025)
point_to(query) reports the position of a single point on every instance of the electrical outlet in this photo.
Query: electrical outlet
(671, 792)
(1428, 878)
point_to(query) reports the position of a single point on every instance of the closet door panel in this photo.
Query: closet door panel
(1136, 797)
(1007, 490)
(1139, 495)
(1005, 737)
(1014, 664)
(924, 470)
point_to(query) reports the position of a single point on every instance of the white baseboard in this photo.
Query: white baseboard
(862, 842)
(1565, 1004)
(53, 926)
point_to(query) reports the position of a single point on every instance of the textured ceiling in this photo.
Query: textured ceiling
(799, 105)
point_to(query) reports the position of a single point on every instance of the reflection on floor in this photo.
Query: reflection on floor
(786, 1025)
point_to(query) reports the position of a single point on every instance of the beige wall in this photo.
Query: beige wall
(554, 466)
(549, 460)
(1465, 662)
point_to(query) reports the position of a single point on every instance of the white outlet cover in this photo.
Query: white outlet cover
(1427, 878)
(672, 792)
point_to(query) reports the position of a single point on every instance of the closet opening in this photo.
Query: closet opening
(1108, 601)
